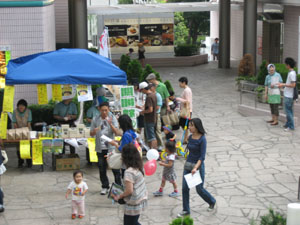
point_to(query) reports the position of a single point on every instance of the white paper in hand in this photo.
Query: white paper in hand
(193, 180)
(105, 138)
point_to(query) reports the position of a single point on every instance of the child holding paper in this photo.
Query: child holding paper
(194, 162)
(78, 188)
(168, 171)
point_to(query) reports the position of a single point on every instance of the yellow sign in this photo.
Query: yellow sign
(92, 150)
(25, 149)
(8, 101)
(2, 82)
(37, 152)
(42, 94)
(3, 125)
(56, 92)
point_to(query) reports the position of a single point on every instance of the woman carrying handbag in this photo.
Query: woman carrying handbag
(186, 105)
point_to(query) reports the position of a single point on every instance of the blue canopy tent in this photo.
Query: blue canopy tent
(64, 66)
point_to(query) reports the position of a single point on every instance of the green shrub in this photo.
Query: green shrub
(125, 60)
(263, 72)
(183, 221)
(169, 85)
(148, 69)
(134, 71)
(186, 50)
(273, 218)
(42, 113)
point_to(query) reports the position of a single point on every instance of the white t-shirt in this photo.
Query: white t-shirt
(288, 91)
(77, 189)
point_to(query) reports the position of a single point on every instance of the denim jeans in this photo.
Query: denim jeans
(131, 220)
(1, 198)
(204, 194)
(288, 106)
(102, 164)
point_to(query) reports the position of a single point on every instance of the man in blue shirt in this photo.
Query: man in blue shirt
(158, 119)
(215, 49)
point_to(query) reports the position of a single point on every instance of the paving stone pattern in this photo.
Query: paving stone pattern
(250, 166)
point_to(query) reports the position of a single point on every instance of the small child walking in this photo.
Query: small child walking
(78, 188)
(169, 170)
(170, 136)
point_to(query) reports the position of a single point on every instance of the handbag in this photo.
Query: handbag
(114, 160)
(189, 166)
(5, 157)
(185, 110)
(174, 119)
(166, 119)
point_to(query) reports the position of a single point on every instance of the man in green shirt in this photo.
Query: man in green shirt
(162, 90)
(65, 112)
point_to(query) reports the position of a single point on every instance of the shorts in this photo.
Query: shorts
(150, 131)
(182, 122)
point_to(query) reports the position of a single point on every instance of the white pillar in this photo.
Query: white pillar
(293, 214)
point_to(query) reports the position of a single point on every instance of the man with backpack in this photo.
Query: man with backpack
(290, 93)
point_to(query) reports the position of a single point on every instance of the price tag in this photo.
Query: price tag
(25, 149)
(42, 94)
(92, 150)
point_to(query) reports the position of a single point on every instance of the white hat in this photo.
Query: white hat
(143, 85)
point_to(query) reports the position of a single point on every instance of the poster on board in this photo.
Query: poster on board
(68, 91)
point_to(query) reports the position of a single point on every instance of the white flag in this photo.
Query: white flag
(103, 43)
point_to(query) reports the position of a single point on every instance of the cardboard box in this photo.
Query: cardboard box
(67, 162)
(73, 132)
(87, 132)
(65, 131)
(80, 130)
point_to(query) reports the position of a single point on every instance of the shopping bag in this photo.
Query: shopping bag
(166, 119)
(185, 110)
(114, 160)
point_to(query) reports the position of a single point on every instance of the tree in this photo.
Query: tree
(125, 60)
(197, 22)
(181, 32)
(134, 71)
(148, 69)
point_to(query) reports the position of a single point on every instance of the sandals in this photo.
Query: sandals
(274, 124)
(270, 121)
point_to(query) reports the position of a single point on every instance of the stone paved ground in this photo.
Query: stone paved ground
(250, 166)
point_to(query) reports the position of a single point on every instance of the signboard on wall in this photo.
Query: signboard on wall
(157, 34)
(4, 58)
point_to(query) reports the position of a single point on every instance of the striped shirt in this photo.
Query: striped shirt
(137, 201)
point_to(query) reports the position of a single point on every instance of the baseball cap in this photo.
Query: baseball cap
(151, 76)
(168, 127)
(143, 85)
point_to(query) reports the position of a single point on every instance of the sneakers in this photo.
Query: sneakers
(2, 209)
(158, 193)
(211, 207)
(288, 129)
(104, 191)
(183, 214)
(73, 216)
(174, 194)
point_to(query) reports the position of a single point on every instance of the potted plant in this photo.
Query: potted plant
(246, 71)
(260, 90)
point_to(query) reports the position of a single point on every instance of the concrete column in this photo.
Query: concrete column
(250, 28)
(78, 23)
(224, 32)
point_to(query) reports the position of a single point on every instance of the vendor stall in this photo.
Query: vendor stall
(64, 69)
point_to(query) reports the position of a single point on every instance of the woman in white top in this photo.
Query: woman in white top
(186, 99)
